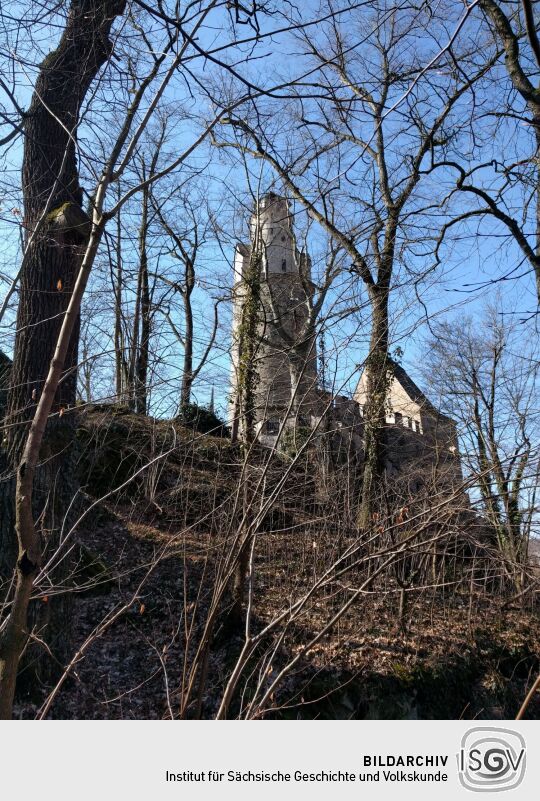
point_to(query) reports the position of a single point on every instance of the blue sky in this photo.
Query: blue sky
(475, 254)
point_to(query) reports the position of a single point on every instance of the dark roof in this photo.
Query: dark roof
(243, 248)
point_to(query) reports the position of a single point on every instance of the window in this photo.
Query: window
(284, 266)
(399, 418)
(272, 426)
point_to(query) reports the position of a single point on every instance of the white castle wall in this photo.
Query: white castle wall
(284, 309)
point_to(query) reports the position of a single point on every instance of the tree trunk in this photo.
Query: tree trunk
(296, 371)
(377, 367)
(536, 121)
(247, 398)
(120, 355)
(141, 372)
(52, 208)
(187, 372)
(50, 181)
(402, 611)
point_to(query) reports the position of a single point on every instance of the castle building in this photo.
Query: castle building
(286, 359)
(422, 442)
(420, 439)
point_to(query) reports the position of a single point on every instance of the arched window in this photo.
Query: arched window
(284, 266)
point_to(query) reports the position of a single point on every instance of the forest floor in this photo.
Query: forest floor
(150, 550)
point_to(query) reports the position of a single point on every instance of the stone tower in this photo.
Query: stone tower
(286, 355)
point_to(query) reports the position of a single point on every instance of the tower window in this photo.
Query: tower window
(283, 239)
(284, 265)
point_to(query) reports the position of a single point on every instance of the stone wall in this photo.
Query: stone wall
(285, 340)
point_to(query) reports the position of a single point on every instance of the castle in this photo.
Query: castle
(286, 356)
(420, 438)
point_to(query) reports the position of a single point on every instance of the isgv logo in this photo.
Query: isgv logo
(491, 760)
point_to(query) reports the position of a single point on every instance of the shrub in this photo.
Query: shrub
(202, 420)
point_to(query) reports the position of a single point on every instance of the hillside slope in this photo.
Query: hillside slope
(161, 508)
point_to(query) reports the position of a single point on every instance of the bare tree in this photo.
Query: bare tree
(487, 379)
(189, 533)
(497, 183)
(185, 238)
(379, 131)
(84, 47)
(53, 208)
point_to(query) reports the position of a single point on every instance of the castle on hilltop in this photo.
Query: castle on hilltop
(288, 395)
(287, 344)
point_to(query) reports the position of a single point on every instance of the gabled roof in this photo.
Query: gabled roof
(413, 390)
